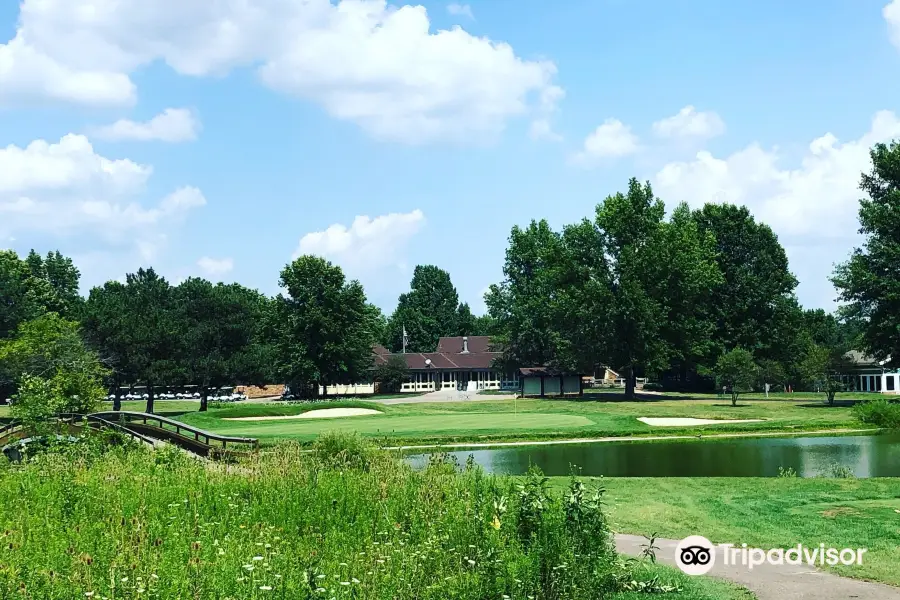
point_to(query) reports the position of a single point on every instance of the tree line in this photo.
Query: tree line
(681, 298)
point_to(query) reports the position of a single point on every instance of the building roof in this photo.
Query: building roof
(449, 355)
(454, 345)
(545, 372)
(861, 358)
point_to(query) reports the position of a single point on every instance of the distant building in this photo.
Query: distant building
(544, 381)
(865, 374)
(455, 362)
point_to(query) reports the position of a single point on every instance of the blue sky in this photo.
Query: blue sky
(288, 123)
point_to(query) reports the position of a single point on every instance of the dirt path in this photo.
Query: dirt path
(773, 582)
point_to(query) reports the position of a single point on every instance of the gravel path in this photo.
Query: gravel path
(773, 582)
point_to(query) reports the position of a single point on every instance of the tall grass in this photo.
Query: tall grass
(341, 522)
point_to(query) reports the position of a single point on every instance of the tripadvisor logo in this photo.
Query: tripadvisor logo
(696, 555)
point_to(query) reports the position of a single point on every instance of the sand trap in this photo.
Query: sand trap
(684, 421)
(322, 413)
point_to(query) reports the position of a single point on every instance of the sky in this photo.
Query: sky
(224, 138)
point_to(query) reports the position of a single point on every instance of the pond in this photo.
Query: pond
(864, 455)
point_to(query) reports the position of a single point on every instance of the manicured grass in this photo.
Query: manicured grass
(766, 513)
(343, 522)
(161, 407)
(527, 419)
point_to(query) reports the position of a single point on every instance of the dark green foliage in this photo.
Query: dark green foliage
(869, 281)
(324, 328)
(756, 280)
(880, 412)
(392, 374)
(221, 334)
(429, 311)
(736, 371)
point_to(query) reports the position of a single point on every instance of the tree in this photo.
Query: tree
(869, 281)
(135, 325)
(632, 236)
(324, 328)
(218, 326)
(466, 322)
(54, 371)
(736, 371)
(60, 278)
(522, 305)
(392, 374)
(428, 311)
(770, 372)
(485, 325)
(691, 278)
(822, 367)
(31, 287)
(756, 282)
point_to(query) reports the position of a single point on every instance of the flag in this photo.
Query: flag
(405, 338)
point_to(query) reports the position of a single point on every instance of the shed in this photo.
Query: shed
(544, 381)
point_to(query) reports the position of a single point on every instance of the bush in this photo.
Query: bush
(653, 387)
(879, 412)
(343, 450)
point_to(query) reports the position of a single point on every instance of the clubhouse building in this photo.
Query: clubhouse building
(865, 374)
(456, 362)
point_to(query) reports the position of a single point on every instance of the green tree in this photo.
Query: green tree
(54, 370)
(770, 372)
(736, 371)
(691, 278)
(485, 325)
(218, 326)
(466, 322)
(135, 325)
(392, 374)
(522, 305)
(869, 281)
(751, 305)
(428, 311)
(60, 278)
(324, 327)
(632, 234)
(822, 367)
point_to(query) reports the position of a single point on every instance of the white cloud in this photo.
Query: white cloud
(812, 206)
(611, 139)
(891, 14)
(688, 123)
(215, 266)
(463, 10)
(172, 125)
(541, 130)
(368, 244)
(365, 61)
(67, 189)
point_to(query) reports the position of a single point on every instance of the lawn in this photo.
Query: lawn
(497, 420)
(766, 513)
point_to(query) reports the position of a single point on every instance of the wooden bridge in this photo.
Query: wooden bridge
(145, 428)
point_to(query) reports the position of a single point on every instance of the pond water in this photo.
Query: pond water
(864, 455)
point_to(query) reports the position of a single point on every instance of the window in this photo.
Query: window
(889, 382)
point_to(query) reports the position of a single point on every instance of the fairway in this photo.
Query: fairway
(411, 425)
(509, 420)
(766, 512)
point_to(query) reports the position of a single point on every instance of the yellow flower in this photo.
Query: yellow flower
(496, 522)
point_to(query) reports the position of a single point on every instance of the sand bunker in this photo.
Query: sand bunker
(685, 421)
(322, 413)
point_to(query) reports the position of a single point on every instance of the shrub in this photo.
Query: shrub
(343, 450)
(879, 412)
(653, 387)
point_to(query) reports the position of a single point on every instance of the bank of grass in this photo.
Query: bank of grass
(766, 513)
(480, 421)
(343, 522)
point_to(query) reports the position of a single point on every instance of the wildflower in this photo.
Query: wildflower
(221, 552)
(320, 576)
(140, 590)
(257, 558)
(89, 594)
(124, 579)
(471, 562)
(265, 588)
(355, 580)
(249, 567)
(320, 590)
(345, 583)
(154, 575)
(342, 564)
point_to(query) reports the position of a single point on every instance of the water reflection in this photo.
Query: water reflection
(865, 456)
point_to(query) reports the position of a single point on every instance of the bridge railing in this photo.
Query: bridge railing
(176, 427)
